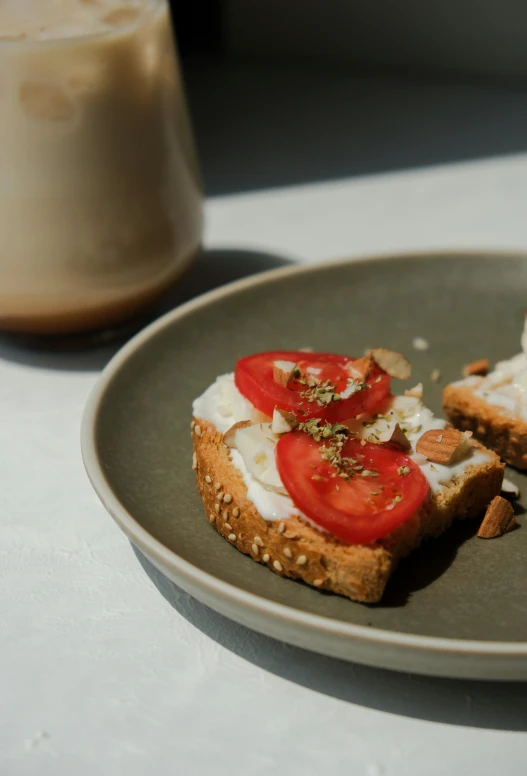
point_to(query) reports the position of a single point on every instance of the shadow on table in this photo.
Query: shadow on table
(494, 705)
(212, 269)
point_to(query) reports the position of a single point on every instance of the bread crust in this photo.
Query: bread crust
(495, 429)
(294, 548)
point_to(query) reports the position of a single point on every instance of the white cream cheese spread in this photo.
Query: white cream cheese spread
(506, 386)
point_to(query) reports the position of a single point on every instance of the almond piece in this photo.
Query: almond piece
(499, 518)
(441, 445)
(480, 367)
(393, 363)
(398, 439)
(360, 368)
(509, 489)
(283, 421)
(416, 392)
(228, 437)
(283, 372)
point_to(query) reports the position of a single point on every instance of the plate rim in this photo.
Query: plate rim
(211, 586)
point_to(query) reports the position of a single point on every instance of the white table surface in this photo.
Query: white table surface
(106, 668)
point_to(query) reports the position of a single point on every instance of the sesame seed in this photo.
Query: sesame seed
(227, 527)
(255, 549)
(301, 560)
(235, 512)
(281, 528)
(219, 496)
(318, 582)
(192, 425)
(232, 537)
(212, 517)
(277, 565)
(197, 430)
(194, 461)
(265, 557)
(288, 553)
(217, 508)
(258, 541)
(227, 498)
(208, 479)
(217, 485)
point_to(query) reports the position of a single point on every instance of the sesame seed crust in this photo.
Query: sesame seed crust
(297, 549)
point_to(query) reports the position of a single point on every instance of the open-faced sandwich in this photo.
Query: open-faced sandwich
(307, 463)
(493, 405)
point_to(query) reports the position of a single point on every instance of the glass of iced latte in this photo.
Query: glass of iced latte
(100, 198)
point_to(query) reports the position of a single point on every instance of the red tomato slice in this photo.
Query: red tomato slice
(357, 510)
(254, 379)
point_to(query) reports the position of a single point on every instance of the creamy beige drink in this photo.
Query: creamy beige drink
(100, 201)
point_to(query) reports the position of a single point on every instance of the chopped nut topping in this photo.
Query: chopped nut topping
(283, 421)
(360, 368)
(442, 445)
(509, 489)
(420, 343)
(499, 518)
(416, 392)
(398, 439)
(393, 363)
(229, 436)
(480, 367)
(283, 372)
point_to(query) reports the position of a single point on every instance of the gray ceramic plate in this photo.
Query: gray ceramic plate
(458, 606)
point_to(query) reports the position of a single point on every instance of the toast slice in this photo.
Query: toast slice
(494, 405)
(294, 547)
(498, 428)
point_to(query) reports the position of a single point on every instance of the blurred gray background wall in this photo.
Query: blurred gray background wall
(292, 91)
(484, 38)
(476, 37)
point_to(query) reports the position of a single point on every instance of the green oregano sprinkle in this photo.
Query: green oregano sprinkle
(334, 436)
